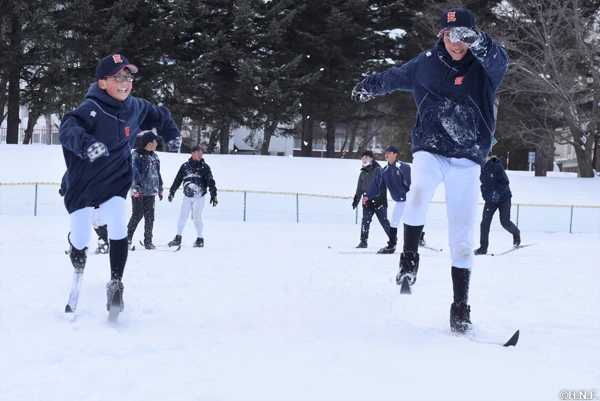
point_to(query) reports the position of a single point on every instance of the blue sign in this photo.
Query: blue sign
(531, 157)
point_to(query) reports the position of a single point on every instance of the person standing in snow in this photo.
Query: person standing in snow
(454, 86)
(97, 138)
(377, 206)
(147, 184)
(495, 190)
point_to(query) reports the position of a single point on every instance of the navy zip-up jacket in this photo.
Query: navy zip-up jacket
(455, 99)
(197, 179)
(147, 181)
(396, 178)
(494, 179)
(101, 118)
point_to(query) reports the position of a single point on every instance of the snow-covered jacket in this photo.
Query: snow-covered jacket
(455, 99)
(197, 179)
(115, 123)
(148, 180)
(396, 178)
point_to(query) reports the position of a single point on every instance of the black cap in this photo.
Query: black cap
(196, 148)
(111, 65)
(456, 17)
(148, 137)
(392, 149)
(368, 153)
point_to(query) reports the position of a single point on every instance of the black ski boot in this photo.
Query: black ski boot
(176, 241)
(460, 317)
(362, 244)
(409, 266)
(149, 245)
(102, 247)
(111, 289)
(517, 240)
(199, 243)
(78, 256)
(480, 251)
(422, 239)
(388, 249)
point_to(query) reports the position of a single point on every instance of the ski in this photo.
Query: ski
(511, 250)
(512, 341)
(75, 288)
(363, 253)
(157, 248)
(115, 307)
(405, 286)
(430, 248)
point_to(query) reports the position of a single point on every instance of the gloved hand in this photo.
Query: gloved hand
(160, 196)
(360, 94)
(468, 36)
(214, 201)
(61, 192)
(355, 201)
(96, 150)
(171, 195)
(495, 197)
(137, 195)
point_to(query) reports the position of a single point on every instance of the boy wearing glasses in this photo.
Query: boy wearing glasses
(97, 138)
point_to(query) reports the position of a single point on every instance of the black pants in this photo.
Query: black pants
(143, 207)
(488, 213)
(381, 214)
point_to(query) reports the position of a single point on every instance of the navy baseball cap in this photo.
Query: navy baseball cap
(111, 65)
(148, 137)
(392, 149)
(456, 17)
(196, 148)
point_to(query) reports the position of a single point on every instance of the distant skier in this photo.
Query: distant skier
(197, 180)
(395, 177)
(495, 190)
(454, 86)
(97, 138)
(378, 205)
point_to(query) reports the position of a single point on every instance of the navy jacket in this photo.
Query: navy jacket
(365, 179)
(147, 178)
(396, 178)
(197, 179)
(494, 179)
(101, 118)
(455, 100)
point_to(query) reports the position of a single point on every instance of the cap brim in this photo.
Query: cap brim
(131, 67)
(440, 33)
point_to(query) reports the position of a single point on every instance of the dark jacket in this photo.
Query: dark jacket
(494, 179)
(101, 118)
(365, 179)
(455, 99)
(396, 178)
(197, 179)
(148, 180)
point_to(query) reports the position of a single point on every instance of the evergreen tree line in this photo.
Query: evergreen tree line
(286, 67)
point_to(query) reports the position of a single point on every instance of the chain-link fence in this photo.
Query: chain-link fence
(42, 199)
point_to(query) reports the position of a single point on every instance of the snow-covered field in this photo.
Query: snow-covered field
(267, 311)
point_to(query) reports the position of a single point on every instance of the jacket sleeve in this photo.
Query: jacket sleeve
(178, 179)
(211, 182)
(73, 136)
(502, 181)
(377, 186)
(492, 57)
(396, 78)
(135, 187)
(359, 191)
(405, 168)
(160, 180)
(159, 117)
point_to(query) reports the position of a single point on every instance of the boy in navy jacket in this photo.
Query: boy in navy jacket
(454, 87)
(395, 177)
(97, 138)
(495, 191)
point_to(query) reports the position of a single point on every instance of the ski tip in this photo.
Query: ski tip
(68, 309)
(513, 340)
(178, 248)
(405, 287)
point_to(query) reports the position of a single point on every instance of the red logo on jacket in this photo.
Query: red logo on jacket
(127, 131)
(491, 175)
(452, 16)
(458, 80)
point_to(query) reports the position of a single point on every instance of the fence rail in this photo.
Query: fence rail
(42, 199)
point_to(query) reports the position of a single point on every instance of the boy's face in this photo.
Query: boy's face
(457, 50)
(114, 88)
(197, 155)
(390, 157)
(366, 160)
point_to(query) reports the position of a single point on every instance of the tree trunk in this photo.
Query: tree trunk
(224, 136)
(307, 136)
(596, 158)
(330, 139)
(541, 157)
(268, 133)
(212, 142)
(34, 115)
(14, 91)
(48, 129)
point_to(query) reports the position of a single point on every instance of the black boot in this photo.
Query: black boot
(460, 311)
(422, 239)
(199, 243)
(393, 239)
(78, 256)
(460, 318)
(517, 240)
(362, 244)
(176, 241)
(111, 289)
(149, 245)
(480, 251)
(409, 266)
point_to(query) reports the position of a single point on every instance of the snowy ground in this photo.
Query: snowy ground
(269, 312)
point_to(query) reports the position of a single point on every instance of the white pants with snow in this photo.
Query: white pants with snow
(113, 213)
(195, 205)
(461, 183)
(397, 214)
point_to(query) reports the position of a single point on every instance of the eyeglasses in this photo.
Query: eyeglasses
(121, 78)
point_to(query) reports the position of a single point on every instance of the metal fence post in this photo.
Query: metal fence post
(297, 209)
(518, 215)
(35, 200)
(571, 221)
(244, 205)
